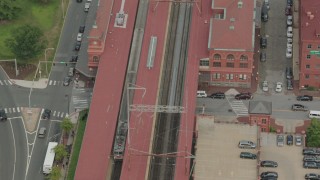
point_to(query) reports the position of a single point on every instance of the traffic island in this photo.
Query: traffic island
(30, 118)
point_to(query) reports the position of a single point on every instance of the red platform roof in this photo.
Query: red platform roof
(97, 143)
(135, 165)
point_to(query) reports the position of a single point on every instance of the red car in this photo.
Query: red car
(288, 11)
(244, 96)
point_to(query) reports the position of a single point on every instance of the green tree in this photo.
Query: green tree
(313, 133)
(55, 174)
(66, 125)
(9, 9)
(26, 42)
(60, 152)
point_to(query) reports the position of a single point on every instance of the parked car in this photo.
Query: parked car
(312, 176)
(289, 53)
(46, 114)
(247, 155)
(74, 58)
(79, 37)
(266, 2)
(77, 46)
(298, 140)
(311, 159)
(289, 140)
(289, 73)
(288, 11)
(265, 86)
(263, 42)
(86, 7)
(289, 32)
(201, 94)
(42, 132)
(289, 43)
(269, 174)
(304, 98)
(79, 1)
(268, 164)
(243, 96)
(289, 20)
(3, 115)
(299, 107)
(263, 56)
(311, 165)
(244, 144)
(289, 84)
(66, 81)
(280, 140)
(289, 2)
(218, 95)
(311, 152)
(81, 29)
(278, 87)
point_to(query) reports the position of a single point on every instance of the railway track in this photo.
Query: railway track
(171, 93)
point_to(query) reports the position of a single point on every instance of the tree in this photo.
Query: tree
(55, 174)
(60, 152)
(313, 133)
(9, 9)
(26, 42)
(66, 125)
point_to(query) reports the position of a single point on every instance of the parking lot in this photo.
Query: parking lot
(289, 158)
(218, 154)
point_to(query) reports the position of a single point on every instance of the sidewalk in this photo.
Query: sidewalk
(43, 83)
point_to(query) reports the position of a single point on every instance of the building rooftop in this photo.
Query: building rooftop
(232, 25)
(260, 107)
(310, 19)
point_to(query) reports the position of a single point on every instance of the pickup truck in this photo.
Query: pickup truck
(86, 7)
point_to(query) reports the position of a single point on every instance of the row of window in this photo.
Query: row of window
(309, 46)
(230, 57)
(308, 76)
(317, 66)
(229, 76)
(218, 64)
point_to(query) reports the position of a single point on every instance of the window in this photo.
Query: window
(307, 76)
(319, 46)
(230, 64)
(309, 46)
(204, 62)
(243, 58)
(229, 76)
(264, 121)
(308, 66)
(308, 56)
(217, 57)
(216, 64)
(216, 76)
(242, 76)
(243, 65)
(230, 57)
(95, 59)
(263, 130)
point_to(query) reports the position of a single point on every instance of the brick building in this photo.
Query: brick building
(260, 114)
(230, 44)
(309, 44)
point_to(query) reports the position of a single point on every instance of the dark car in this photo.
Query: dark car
(312, 176)
(247, 155)
(77, 46)
(288, 11)
(289, 73)
(81, 29)
(289, 2)
(304, 98)
(46, 114)
(289, 84)
(74, 58)
(79, 1)
(268, 164)
(289, 140)
(263, 56)
(299, 107)
(263, 42)
(311, 152)
(218, 95)
(244, 96)
(3, 115)
(311, 165)
(66, 81)
(311, 159)
(269, 174)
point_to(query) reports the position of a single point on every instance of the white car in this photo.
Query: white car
(289, 53)
(289, 42)
(279, 87)
(289, 20)
(265, 87)
(289, 32)
(79, 37)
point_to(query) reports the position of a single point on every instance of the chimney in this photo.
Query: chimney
(240, 3)
(308, 13)
(311, 16)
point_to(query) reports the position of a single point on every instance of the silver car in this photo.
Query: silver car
(265, 86)
(280, 140)
(298, 140)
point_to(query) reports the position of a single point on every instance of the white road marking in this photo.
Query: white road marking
(10, 82)
(1, 82)
(5, 82)
(14, 110)
(5, 109)
(58, 114)
(54, 83)
(18, 109)
(62, 114)
(54, 113)
(50, 82)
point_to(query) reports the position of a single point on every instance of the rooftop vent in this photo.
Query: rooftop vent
(232, 19)
(231, 27)
(308, 13)
(311, 16)
(240, 4)
(307, 24)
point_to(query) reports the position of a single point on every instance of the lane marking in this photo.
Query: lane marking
(1, 82)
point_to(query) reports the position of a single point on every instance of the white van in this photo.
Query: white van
(71, 71)
(201, 94)
(246, 144)
(314, 114)
(289, 32)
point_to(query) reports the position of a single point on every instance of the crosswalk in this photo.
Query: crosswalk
(239, 107)
(56, 114)
(12, 110)
(59, 114)
(81, 98)
(55, 83)
(5, 83)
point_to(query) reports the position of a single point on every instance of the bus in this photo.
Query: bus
(48, 161)
(314, 114)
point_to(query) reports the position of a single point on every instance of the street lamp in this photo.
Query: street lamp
(45, 58)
